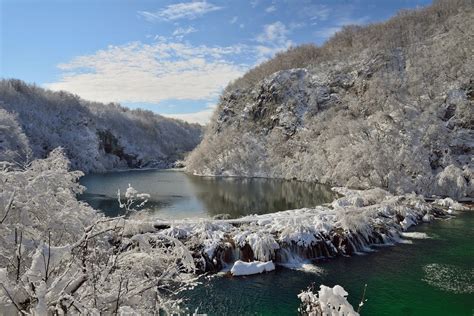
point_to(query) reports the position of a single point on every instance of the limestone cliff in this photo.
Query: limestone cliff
(397, 113)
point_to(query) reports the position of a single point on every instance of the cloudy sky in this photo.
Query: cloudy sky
(171, 57)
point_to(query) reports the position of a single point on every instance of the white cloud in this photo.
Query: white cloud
(297, 25)
(201, 117)
(275, 32)
(138, 72)
(254, 3)
(316, 12)
(180, 32)
(270, 9)
(233, 20)
(273, 39)
(327, 32)
(160, 38)
(184, 10)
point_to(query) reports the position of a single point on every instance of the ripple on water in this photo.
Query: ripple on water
(415, 235)
(305, 267)
(449, 278)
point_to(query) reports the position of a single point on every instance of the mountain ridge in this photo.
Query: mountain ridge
(96, 137)
(393, 115)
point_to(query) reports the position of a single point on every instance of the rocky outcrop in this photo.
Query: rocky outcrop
(400, 118)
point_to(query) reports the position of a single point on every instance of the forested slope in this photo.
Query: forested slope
(95, 136)
(386, 105)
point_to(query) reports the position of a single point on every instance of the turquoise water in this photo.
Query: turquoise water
(175, 194)
(401, 280)
(427, 277)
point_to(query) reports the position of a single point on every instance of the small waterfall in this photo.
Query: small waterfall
(314, 237)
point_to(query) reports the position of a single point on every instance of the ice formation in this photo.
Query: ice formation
(350, 225)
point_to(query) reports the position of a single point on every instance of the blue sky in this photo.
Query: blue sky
(171, 57)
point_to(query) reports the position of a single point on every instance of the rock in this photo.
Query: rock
(248, 268)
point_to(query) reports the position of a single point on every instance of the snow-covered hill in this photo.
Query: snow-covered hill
(95, 136)
(388, 105)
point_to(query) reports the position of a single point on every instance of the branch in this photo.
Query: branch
(49, 256)
(11, 299)
(362, 299)
(18, 253)
(118, 297)
(7, 209)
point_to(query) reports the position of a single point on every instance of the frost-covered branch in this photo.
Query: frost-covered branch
(8, 207)
(133, 200)
(59, 256)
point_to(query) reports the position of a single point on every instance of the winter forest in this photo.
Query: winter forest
(333, 178)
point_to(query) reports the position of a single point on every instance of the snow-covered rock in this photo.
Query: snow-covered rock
(451, 204)
(248, 268)
(328, 301)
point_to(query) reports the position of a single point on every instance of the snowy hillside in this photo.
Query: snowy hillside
(388, 105)
(95, 136)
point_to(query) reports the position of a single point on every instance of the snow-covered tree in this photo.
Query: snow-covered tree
(14, 146)
(58, 256)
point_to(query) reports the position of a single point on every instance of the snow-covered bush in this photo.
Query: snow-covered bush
(58, 256)
(327, 302)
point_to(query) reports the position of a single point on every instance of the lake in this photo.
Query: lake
(432, 276)
(175, 194)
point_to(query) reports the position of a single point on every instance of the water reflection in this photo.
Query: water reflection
(243, 196)
(175, 194)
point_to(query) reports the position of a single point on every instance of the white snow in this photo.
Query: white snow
(328, 301)
(451, 204)
(307, 233)
(249, 268)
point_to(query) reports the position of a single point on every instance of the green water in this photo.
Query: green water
(175, 194)
(428, 277)
(396, 278)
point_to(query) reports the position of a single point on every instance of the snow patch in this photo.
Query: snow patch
(249, 268)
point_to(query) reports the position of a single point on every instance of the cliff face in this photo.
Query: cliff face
(399, 118)
(96, 137)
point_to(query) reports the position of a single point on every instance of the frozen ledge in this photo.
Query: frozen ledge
(350, 225)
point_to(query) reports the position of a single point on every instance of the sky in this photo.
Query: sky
(171, 57)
